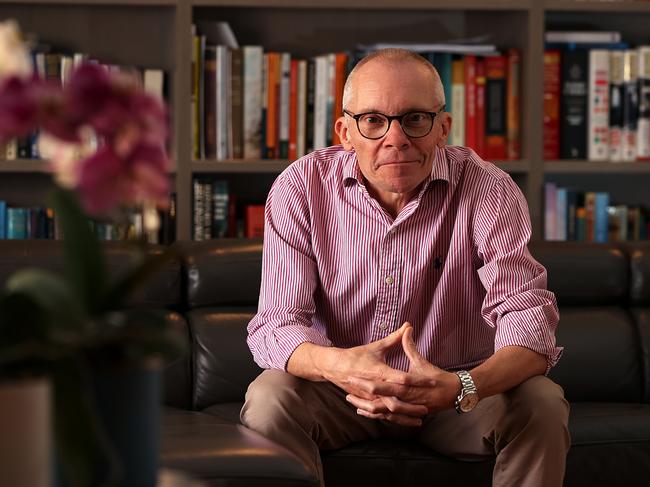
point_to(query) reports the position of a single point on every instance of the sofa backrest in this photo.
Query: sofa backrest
(606, 355)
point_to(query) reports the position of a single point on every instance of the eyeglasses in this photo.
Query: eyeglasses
(374, 125)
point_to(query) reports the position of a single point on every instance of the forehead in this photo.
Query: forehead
(392, 87)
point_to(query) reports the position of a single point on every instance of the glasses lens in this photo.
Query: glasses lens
(417, 124)
(372, 125)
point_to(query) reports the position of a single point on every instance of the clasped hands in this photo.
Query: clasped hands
(381, 392)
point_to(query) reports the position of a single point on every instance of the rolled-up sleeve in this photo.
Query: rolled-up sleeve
(517, 304)
(289, 278)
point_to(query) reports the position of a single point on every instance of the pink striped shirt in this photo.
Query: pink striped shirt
(338, 270)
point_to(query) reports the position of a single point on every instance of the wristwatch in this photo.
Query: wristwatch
(468, 397)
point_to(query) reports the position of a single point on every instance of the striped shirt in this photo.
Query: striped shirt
(338, 270)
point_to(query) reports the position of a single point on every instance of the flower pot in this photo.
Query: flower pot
(127, 402)
(26, 438)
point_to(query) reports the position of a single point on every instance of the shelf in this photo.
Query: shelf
(374, 4)
(91, 3)
(587, 167)
(24, 165)
(597, 6)
(237, 166)
(513, 167)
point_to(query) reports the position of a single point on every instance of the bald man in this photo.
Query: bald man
(398, 295)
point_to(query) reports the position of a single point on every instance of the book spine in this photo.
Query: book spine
(301, 136)
(3, 219)
(320, 102)
(601, 218)
(293, 110)
(630, 104)
(573, 122)
(616, 106)
(284, 105)
(480, 107)
(458, 100)
(643, 128)
(237, 103)
(598, 106)
(220, 208)
(513, 149)
(495, 107)
(311, 93)
(470, 101)
(252, 109)
(561, 214)
(210, 100)
(224, 148)
(17, 223)
(550, 203)
(552, 84)
(340, 74)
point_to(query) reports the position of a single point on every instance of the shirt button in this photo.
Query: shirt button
(383, 325)
(360, 189)
(389, 280)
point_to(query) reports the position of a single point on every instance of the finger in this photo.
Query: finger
(393, 418)
(390, 340)
(408, 344)
(396, 405)
(374, 406)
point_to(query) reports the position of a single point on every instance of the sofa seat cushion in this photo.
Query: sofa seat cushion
(227, 411)
(214, 449)
(386, 463)
(599, 423)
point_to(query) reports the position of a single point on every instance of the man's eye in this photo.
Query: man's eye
(416, 117)
(373, 120)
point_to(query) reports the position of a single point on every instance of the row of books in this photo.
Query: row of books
(216, 213)
(590, 216)
(251, 104)
(57, 67)
(36, 222)
(597, 101)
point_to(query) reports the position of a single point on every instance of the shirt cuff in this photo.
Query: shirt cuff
(283, 341)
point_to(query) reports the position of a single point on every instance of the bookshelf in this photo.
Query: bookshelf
(156, 33)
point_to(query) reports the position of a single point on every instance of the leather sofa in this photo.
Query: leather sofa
(604, 297)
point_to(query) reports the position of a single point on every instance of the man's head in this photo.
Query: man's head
(393, 82)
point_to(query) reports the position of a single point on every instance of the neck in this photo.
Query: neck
(393, 203)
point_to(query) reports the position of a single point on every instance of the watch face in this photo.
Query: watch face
(468, 402)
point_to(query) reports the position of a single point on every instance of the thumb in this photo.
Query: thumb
(409, 347)
(392, 339)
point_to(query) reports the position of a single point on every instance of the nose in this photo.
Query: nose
(395, 137)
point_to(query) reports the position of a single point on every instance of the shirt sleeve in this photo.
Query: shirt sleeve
(289, 279)
(517, 303)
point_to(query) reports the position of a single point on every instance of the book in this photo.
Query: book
(616, 106)
(601, 217)
(630, 105)
(220, 203)
(480, 107)
(495, 107)
(17, 223)
(598, 106)
(252, 101)
(513, 142)
(3, 219)
(236, 98)
(643, 124)
(470, 102)
(254, 221)
(550, 205)
(210, 102)
(458, 100)
(573, 121)
(284, 104)
(552, 85)
(582, 37)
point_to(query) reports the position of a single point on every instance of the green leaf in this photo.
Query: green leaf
(53, 295)
(85, 264)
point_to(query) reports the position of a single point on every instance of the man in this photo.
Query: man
(398, 291)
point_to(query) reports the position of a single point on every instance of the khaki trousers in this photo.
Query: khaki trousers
(526, 427)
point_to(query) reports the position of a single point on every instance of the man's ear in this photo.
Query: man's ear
(445, 126)
(341, 127)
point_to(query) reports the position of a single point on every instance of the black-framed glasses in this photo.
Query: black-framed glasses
(374, 125)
